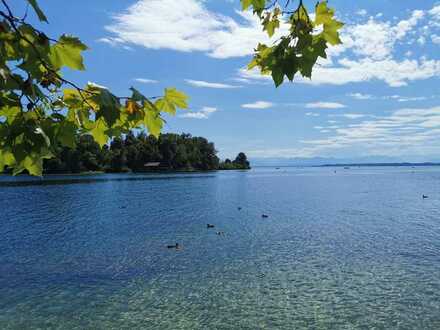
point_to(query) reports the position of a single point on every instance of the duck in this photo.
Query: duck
(175, 246)
(264, 216)
(209, 226)
(425, 196)
(239, 208)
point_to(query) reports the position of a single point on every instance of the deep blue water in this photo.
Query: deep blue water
(355, 249)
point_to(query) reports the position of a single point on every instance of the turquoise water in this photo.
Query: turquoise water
(355, 249)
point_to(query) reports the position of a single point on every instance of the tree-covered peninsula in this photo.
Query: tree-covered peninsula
(142, 153)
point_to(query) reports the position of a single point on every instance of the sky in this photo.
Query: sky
(378, 94)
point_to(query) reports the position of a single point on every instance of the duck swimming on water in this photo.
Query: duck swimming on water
(209, 226)
(175, 246)
(264, 216)
(425, 196)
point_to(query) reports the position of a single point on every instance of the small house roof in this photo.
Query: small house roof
(152, 164)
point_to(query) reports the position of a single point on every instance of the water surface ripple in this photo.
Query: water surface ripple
(355, 249)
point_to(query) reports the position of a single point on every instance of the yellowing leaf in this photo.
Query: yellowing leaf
(132, 107)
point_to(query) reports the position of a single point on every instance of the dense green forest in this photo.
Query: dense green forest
(171, 152)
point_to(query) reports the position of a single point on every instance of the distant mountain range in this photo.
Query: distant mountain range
(323, 161)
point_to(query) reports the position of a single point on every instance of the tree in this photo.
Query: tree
(131, 153)
(41, 111)
(241, 161)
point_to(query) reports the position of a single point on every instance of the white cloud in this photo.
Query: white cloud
(185, 25)
(258, 105)
(146, 81)
(394, 73)
(206, 84)
(412, 99)
(353, 115)
(373, 39)
(404, 26)
(368, 51)
(362, 12)
(204, 113)
(325, 105)
(386, 135)
(360, 96)
(435, 12)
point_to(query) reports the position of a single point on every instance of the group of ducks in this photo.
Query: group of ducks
(178, 247)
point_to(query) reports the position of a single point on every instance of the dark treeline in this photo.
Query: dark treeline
(142, 153)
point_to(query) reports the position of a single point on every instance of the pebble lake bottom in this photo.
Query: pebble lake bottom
(357, 248)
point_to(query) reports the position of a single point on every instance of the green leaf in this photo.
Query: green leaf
(33, 164)
(323, 14)
(152, 120)
(67, 134)
(109, 106)
(172, 99)
(277, 76)
(38, 10)
(271, 25)
(67, 52)
(331, 33)
(245, 4)
(177, 98)
(137, 96)
(6, 159)
(9, 113)
(99, 132)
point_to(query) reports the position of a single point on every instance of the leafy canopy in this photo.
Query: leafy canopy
(41, 111)
(306, 41)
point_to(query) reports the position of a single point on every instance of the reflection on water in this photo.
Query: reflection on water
(347, 250)
(83, 179)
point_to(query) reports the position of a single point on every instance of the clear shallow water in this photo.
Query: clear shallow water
(355, 249)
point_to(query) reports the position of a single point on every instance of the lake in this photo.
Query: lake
(357, 248)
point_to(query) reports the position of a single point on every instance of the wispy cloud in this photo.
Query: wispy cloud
(258, 105)
(353, 115)
(398, 98)
(412, 99)
(360, 96)
(203, 113)
(325, 105)
(387, 134)
(312, 114)
(146, 81)
(206, 84)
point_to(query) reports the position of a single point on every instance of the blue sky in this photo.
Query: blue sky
(378, 94)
